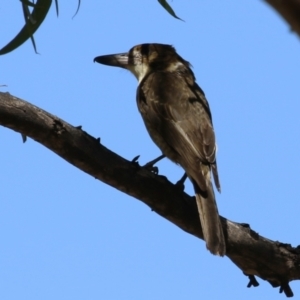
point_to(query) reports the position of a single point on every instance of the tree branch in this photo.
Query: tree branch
(289, 10)
(255, 255)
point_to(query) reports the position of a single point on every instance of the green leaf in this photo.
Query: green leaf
(28, 18)
(27, 2)
(168, 8)
(33, 21)
(79, 1)
(56, 6)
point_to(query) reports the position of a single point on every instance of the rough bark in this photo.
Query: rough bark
(289, 10)
(255, 255)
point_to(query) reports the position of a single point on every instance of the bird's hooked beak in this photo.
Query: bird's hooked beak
(133, 61)
(115, 60)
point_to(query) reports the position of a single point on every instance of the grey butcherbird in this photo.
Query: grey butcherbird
(178, 119)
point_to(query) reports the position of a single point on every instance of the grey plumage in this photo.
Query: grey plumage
(178, 119)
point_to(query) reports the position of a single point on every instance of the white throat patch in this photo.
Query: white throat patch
(139, 71)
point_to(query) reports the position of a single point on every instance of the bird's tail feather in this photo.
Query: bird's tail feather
(210, 220)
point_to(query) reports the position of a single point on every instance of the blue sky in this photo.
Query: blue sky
(65, 235)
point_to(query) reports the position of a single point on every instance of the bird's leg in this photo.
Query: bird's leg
(150, 165)
(154, 161)
(180, 182)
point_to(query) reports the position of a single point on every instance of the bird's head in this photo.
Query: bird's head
(144, 59)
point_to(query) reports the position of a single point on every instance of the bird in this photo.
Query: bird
(177, 117)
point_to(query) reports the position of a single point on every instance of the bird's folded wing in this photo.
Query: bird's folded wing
(181, 116)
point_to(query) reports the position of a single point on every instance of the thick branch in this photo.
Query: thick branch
(289, 10)
(253, 254)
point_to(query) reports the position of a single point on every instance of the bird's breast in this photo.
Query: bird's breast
(149, 108)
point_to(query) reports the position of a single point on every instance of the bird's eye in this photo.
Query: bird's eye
(145, 49)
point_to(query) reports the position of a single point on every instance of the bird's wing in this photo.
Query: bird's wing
(181, 116)
(178, 119)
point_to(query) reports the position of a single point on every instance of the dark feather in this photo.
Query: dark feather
(177, 116)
